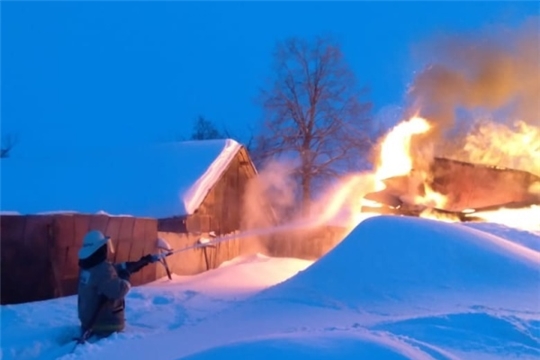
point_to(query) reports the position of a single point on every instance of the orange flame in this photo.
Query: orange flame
(516, 147)
(430, 214)
(395, 158)
(524, 218)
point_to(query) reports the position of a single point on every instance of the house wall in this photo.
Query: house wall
(221, 210)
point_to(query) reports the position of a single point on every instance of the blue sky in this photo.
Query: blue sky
(77, 73)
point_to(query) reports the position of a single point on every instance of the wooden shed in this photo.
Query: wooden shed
(190, 186)
(220, 206)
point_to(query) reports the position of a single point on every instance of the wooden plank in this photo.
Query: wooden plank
(138, 238)
(193, 224)
(64, 231)
(219, 206)
(36, 274)
(60, 254)
(55, 260)
(13, 271)
(12, 228)
(70, 285)
(149, 273)
(71, 264)
(205, 223)
(99, 222)
(176, 241)
(230, 206)
(10, 266)
(82, 226)
(125, 237)
(137, 247)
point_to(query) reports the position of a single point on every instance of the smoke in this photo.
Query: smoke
(495, 72)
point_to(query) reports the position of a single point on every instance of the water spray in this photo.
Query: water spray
(211, 241)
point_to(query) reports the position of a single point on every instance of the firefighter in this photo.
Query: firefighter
(103, 286)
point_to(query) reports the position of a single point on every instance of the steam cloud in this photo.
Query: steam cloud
(271, 212)
(269, 196)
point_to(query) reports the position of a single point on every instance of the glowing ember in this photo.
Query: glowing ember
(432, 199)
(395, 158)
(446, 217)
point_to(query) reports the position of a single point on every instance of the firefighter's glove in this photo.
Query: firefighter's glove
(148, 259)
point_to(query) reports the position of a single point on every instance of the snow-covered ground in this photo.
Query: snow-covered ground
(395, 288)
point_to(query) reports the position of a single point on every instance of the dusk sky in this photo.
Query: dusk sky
(77, 73)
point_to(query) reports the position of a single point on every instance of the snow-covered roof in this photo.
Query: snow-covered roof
(148, 181)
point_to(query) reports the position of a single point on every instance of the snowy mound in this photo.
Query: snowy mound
(395, 288)
(407, 262)
(398, 287)
(330, 344)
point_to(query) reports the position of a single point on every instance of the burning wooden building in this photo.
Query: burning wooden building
(463, 189)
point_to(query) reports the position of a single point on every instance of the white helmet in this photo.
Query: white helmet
(92, 241)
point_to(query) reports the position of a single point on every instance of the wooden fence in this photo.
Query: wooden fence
(39, 253)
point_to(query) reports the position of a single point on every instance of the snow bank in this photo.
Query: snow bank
(146, 181)
(397, 263)
(519, 236)
(311, 345)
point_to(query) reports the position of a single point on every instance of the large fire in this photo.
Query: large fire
(515, 147)
(491, 144)
(527, 218)
(395, 158)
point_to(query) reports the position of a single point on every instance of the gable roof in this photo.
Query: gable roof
(146, 181)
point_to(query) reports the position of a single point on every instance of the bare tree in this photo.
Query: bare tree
(8, 142)
(313, 111)
(204, 129)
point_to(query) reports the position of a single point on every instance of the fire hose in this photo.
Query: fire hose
(166, 250)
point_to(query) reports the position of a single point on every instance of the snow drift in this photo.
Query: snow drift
(395, 287)
(418, 263)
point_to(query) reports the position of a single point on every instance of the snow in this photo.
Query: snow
(520, 236)
(394, 288)
(145, 181)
